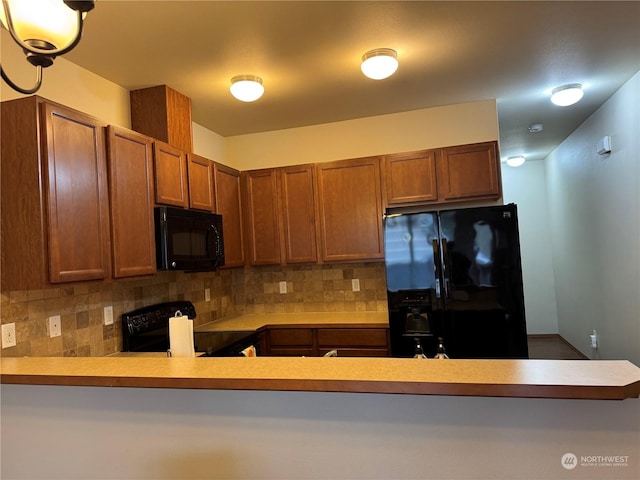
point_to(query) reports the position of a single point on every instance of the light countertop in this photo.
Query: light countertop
(310, 319)
(578, 379)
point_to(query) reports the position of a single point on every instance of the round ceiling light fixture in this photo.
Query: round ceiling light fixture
(566, 95)
(515, 161)
(247, 88)
(379, 63)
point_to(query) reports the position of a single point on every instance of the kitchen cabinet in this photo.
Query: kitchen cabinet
(131, 196)
(351, 341)
(200, 179)
(469, 172)
(354, 342)
(349, 210)
(411, 177)
(55, 212)
(287, 342)
(451, 174)
(297, 194)
(164, 114)
(229, 204)
(170, 175)
(262, 216)
(280, 213)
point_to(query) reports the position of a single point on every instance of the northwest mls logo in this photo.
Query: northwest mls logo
(569, 461)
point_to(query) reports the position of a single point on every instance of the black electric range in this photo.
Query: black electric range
(147, 330)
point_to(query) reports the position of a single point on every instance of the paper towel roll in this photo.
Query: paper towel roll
(181, 336)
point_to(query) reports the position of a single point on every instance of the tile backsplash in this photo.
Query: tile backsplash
(310, 288)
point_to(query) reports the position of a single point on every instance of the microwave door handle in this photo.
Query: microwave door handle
(446, 267)
(213, 230)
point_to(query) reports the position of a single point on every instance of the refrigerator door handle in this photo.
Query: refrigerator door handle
(436, 265)
(445, 267)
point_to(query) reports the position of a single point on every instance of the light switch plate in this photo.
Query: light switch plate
(207, 294)
(283, 287)
(108, 315)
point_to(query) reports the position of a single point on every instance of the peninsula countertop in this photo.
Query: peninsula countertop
(577, 379)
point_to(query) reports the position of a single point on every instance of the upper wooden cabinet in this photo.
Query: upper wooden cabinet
(349, 210)
(164, 114)
(280, 215)
(411, 177)
(262, 217)
(297, 207)
(130, 160)
(201, 189)
(451, 174)
(229, 205)
(469, 172)
(170, 174)
(55, 214)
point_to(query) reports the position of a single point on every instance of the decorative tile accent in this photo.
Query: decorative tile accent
(310, 288)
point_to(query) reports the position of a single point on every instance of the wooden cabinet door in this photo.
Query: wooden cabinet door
(469, 172)
(170, 171)
(228, 204)
(77, 196)
(410, 177)
(130, 159)
(350, 209)
(263, 224)
(298, 213)
(200, 174)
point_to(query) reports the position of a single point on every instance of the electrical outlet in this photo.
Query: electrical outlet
(355, 285)
(108, 315)
(8, 335)
(55, 329)
(283, 287)
(207, 294)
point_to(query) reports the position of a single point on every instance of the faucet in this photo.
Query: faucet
(331, 353)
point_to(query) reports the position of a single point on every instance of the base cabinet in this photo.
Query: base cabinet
(360, 341)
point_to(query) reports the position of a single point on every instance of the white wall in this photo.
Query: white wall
(95, 433)
(401, 132)
(594, 204)
(526, 187)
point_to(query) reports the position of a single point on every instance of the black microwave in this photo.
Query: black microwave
(188, 240)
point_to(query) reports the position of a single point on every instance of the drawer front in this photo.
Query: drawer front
(357, 352)
(290, 337)
(352, 337)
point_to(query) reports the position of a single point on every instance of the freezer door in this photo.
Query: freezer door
(409, 251)
(482, 276)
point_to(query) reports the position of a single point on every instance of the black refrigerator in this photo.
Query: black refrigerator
(455, 275)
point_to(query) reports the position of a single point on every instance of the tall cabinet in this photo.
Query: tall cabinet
(55, 213)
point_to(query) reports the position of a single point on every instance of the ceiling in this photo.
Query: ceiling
(308, 54)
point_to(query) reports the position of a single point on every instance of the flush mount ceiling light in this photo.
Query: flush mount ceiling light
(515, 161)
(566, 95)
(43, 29)
(379, 63)
(246, 88)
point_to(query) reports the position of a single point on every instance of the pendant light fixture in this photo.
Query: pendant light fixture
(566, 95)
(379, 63)
(247, 88)
(44, 29)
